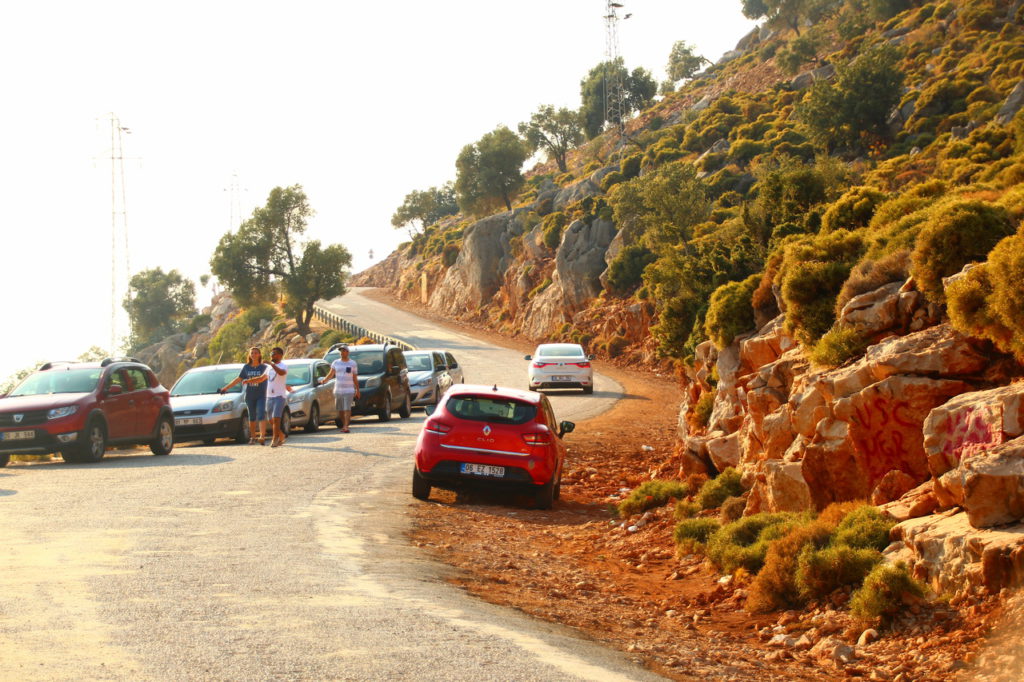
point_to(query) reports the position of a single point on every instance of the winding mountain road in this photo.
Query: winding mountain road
(233, 562)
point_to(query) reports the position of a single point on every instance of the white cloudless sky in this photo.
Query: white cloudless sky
(359, 103)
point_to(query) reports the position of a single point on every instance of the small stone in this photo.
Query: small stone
(866, 637)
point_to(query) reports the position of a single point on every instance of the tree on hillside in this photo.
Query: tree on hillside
(638, 89)
(683, 62)
(158, 303)
(850, 113)
(556, 132)
(788, 13)
(490, 171)
(266, 255)
(425, 207)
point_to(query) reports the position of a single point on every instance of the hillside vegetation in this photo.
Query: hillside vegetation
(863, 143)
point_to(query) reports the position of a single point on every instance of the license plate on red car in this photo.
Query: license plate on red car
(481, 469)
(18, 435)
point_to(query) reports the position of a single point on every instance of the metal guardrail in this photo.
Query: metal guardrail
(336, 321)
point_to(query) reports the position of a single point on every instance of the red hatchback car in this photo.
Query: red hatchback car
(491, 436)
(77, 408)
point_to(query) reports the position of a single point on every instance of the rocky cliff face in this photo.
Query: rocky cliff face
(925, 422)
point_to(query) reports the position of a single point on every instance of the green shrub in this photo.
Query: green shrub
(651, 494)
(839, 344)
(616, 345)
(252, 316)
(730, 312)
(625, 272)
(744, 543)
(685, 509)
(552, 227)
(732, 508)
(743, 151)
(450, 254)
(690, 534)
(230, 342)
(333, 336)
(957, 233)
(854, 209)
(630, 166)
(985, 302)
(775, 585)
(822, 571)
(198, 322)
(280, 327)
(885, 592)
(870, 274)
(702, 410)
(864, 528)
(539, 288)
(713, 493)
(611, 179)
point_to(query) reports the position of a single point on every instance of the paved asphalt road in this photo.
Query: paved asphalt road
(232, 562)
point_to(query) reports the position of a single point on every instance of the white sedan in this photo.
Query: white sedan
(560, 365)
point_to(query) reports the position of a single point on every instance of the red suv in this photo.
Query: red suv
(491, 436)
(77, 408)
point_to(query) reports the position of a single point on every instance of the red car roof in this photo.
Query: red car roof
(492, 390)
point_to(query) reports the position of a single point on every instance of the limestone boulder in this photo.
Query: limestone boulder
(587, 187)
(949, 553)
(892, 487)
(766, 346)
(785, 488)
(724, 450)
(913, 504)
(971, 423)
(989, 485)
(873, 432)
(936, 351)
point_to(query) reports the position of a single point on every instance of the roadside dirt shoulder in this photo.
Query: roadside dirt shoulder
(624, 584)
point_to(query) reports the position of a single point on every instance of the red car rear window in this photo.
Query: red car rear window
(488, 409)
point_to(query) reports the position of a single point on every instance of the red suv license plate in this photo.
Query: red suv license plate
(481, 469)
(18, 435)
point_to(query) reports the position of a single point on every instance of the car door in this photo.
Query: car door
(118, 405)
(147, 404)
(325, 391)
(454, 369)
(397, 367)
(444, 379)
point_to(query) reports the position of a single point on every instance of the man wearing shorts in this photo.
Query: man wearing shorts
(346, 387)
(277, 389)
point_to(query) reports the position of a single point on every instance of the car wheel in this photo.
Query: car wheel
(244, 430)
(420, 486)
(4, 459)
(164, 441)
(286, 422)
(92, 447)
(313, 425)
(544, 496)
(385, 414)
(406, 409)
(588, 389)
(558, 487)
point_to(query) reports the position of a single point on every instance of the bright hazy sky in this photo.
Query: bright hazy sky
(357, 102)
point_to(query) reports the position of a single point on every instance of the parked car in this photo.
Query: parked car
(383, 379)
(78, 408)
(491, 436)
(309, 402)
(560, 365)
(201, 413)
(431, 373)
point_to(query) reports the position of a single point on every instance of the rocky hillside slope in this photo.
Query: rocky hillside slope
(842, 302)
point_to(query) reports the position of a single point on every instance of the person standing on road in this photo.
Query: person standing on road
(346, 387)
(252, 376)
(277, 389)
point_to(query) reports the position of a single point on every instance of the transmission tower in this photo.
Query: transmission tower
(614, 90)
(235, 191)
(119, 250)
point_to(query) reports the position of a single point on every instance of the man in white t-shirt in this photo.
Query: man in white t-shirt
(346, 386)
(277, 390)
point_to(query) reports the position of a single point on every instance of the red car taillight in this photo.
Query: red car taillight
(539, 438)
(583, 364)
(438, 427)
(538, 364)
